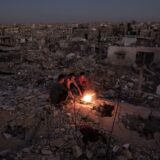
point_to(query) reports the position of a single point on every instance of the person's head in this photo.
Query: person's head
(82, 74)
(71, 76)
(61, 78)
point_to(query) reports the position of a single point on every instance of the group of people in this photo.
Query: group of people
(68, 87)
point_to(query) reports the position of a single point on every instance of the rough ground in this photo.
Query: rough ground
(28, 132)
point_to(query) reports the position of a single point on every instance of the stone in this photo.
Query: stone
(51, 157)
(7, 135)
(58, 142)
(130, 84)
(157, 137)
(26, 150)
(126, 146)
(89, 154)
(29, 97)
(158, 90)
(35, 150)
(19, 155)
(62, 130)
(101, 152)
(70, 56)
(123, 77)
(69, 114)
(44, 158)
(122, 158)
(66, 137)
(46, 151)
(77, 151)
(156, 114)
(145, 114)
(116, 148)
(150, 97)
(127, 154)
(110, 93)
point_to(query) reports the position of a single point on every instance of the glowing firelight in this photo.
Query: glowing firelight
(87, 98)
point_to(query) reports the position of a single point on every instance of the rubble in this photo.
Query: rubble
(77, 151)
(158, 90)
(145, 127)
(46, 151)
(7, 136)
(25, 77)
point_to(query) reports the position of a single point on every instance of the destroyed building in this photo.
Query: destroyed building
(129, 56)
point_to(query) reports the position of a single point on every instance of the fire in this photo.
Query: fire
(88, 98)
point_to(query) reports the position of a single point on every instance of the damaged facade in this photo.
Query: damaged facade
(129, 56)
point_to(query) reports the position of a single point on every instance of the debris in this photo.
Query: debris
(116, 148)
(158, 90)
(77, 151)
(126, 146)
(89, 154)
(7, 135)
(127, 154)
(46, 151)
(28, 71)
(58, 142)
(145, 127)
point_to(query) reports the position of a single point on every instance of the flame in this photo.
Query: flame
(87, 98)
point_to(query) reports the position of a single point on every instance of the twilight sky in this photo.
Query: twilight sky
(48, 11)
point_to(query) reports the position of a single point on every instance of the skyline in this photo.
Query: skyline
(59, 11)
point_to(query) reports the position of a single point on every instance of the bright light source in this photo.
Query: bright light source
(87, 98)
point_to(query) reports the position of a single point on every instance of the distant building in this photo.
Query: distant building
(129, 56)
(8, 41)
(129, 41)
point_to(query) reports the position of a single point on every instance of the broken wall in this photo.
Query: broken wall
(126, 56)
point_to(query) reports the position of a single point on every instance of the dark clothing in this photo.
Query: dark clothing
(71, 86)
(82, 82)
(58, 93)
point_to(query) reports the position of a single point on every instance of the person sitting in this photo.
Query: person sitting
(58, 93)
(82, 81)
(72, 86)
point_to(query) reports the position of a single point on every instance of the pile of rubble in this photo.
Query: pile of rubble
(54, 136)
(148, 127)
(57, 136)
(122, 83)
(25, 78)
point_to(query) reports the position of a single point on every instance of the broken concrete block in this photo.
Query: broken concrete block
(116, 148)
(126, 146)
(7, 135)
(58, 142)
(62, 130)
(158, 90)
(145, 114)
(101, 152)
(122, 158)
(127, 154)
(150, 97)
(77, 151)
(5, 152)
(89, 154)
(70, 56)
(26, 150)
(130, 84)
(51, 157)
(46, 151)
